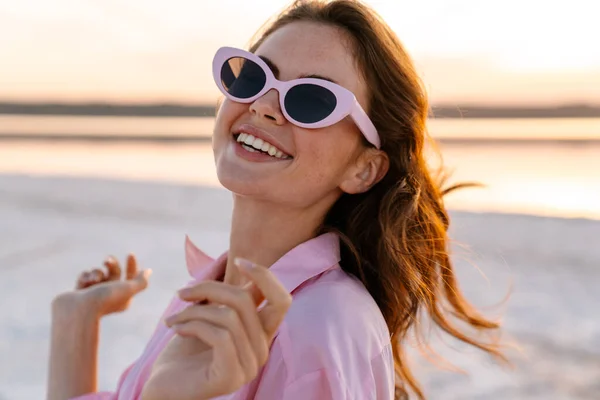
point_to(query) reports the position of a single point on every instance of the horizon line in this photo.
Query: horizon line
(188, 109)
(202, 139)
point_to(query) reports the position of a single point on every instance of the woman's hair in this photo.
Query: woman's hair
(394, 237)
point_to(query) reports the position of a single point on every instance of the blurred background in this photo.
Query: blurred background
(106, 112)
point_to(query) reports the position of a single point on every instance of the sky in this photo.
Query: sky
(517, 52)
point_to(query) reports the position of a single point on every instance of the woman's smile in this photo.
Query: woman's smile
(257, 145)
(253, 144)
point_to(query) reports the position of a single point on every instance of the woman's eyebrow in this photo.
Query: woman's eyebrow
(316, 76)
(275, 71)
(271, 65)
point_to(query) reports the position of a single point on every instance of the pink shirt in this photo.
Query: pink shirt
(333, 344)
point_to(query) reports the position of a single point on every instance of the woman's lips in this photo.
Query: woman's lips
(252, 143)
(254, 156)
(247, 131)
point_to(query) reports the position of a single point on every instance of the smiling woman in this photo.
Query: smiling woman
(323, 149)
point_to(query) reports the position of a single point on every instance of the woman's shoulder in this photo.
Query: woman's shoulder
(333, 341)
(335, 311)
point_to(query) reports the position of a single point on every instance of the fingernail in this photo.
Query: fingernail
(183, 292)
(243, 263)
(147, 273)
(247, 285)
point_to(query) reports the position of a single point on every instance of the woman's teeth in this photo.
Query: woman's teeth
(252, 144)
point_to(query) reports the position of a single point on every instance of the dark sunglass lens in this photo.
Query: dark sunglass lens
(308, 103)
(242, 78)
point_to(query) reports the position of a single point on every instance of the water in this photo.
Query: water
(471, 129)
(545, 167)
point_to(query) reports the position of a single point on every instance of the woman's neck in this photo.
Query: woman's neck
(263, 232)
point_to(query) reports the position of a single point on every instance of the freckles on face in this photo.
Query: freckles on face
(306, 49)
(325, 154)
(320, 156)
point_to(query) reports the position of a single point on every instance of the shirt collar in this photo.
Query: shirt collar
(303, 262)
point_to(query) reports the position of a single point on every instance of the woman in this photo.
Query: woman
(321, 139)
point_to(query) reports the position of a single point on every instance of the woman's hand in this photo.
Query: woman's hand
(103, 292)
(75, 324)
(221, 340)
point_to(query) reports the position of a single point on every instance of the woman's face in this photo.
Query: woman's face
(319, 161)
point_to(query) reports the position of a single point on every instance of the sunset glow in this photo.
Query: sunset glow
(468, 51)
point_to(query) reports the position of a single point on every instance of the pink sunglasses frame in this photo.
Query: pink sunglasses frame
(347, 105)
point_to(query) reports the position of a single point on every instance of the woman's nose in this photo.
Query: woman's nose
(267, 106)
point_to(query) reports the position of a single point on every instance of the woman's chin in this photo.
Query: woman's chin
(241, 185)
(241, 176)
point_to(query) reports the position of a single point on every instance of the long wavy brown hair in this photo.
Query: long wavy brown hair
(394, 237)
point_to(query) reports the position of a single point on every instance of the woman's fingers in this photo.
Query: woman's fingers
(90, 278)
(228, 319)
(220, 340)
(113, 267)
(140, 281)
(241, 301)
(97, 275)
(132, 268)
(277, 296)
(84, 280)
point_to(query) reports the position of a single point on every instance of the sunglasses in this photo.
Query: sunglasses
(309, 103)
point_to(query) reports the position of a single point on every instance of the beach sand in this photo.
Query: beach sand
(52, 228)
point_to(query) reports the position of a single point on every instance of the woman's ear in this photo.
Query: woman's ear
(369, 169)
